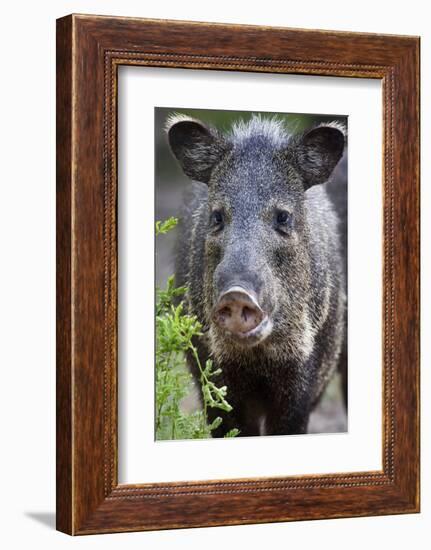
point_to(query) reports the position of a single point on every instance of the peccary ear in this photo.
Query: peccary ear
(197, 147)
(316, 153)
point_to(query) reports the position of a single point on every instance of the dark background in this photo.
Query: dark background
(170, 182)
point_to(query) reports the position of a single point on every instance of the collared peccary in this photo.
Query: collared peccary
(259, 251)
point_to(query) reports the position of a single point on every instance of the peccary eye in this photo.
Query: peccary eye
(217, 219)
(283, 220)
(282, 217)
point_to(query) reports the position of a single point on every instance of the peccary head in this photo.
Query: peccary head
(257, 256)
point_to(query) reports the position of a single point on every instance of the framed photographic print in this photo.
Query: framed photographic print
(237, 274)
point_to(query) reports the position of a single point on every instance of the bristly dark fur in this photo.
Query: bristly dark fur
(250, 173)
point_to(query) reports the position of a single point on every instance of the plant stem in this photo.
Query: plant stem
(159, 411)
(203, 380)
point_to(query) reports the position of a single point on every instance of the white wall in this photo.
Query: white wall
(27, 271)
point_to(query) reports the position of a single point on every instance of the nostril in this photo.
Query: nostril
(224, 314)
(250, 318)
(247, 313)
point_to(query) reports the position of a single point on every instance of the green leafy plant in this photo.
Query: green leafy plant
(175, 332)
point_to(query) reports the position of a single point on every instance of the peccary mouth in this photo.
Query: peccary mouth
(241, 318)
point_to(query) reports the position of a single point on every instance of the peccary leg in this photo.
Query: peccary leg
(250, 409)
(291, 422)
(255, 417)
(292, 404)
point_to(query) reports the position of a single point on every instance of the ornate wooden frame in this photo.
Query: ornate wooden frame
(89, 51)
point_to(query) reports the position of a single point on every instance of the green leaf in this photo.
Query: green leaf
(232, 433)
(216, 423)
(164, 227)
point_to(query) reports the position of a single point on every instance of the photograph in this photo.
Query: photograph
(237, 273)
(251, 254)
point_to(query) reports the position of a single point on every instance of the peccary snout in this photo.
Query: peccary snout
(239, 313)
